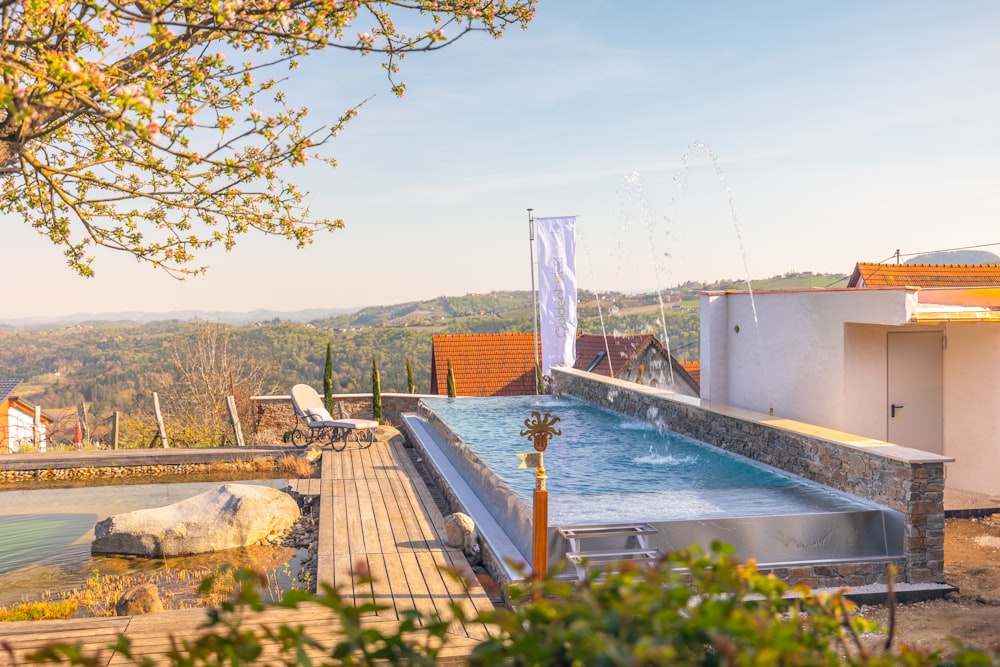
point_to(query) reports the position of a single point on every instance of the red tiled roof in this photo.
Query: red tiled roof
(484, 364)
(592, 352)
(693, 369)
(925, 275)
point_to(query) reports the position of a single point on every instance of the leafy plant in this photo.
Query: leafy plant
(691, 608)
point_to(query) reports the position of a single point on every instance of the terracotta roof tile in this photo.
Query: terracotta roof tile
(925, 275)
(693, 369)
(484, 364)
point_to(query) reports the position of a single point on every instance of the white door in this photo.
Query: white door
(915, 409)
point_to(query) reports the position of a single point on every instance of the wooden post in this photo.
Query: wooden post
(234, 419)
(160, 428)
(540, 541)
(115, 429)
(36, 431)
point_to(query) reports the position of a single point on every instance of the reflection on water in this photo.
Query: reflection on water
(26, 537)
(45, 537)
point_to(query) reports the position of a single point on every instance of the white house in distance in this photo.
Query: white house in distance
(914, 366)
(18, 418)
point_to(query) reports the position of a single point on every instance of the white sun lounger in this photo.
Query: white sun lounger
(316, 425)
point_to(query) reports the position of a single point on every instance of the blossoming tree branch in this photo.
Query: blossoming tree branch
(161, 127)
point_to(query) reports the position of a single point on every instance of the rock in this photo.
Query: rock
(229, 516)
(142, 599)
(460, 532)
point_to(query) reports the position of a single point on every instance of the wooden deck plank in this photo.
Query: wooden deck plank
(400, 523)
(381, 588)
(402, 597)
(423, 506)
(387, 515)
(416, 532)
(366, 514)
(423, 599)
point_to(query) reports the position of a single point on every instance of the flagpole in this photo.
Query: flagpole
(534, 294)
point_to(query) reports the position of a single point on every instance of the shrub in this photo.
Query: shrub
(691, 609)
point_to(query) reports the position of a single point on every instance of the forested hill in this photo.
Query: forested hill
(115, 366)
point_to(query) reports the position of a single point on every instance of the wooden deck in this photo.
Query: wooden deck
(376, 515)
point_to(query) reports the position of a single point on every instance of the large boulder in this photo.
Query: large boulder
(229, 516)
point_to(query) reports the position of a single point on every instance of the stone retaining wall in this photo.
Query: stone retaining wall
(115, 472)
(913, 486)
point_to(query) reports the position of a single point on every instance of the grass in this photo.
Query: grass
(179, 589)
(38, 611)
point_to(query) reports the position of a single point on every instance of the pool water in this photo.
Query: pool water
(45, 537)
(606, 466)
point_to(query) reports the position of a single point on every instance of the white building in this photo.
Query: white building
(918, 367)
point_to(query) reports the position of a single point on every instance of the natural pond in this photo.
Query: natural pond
(46, 536)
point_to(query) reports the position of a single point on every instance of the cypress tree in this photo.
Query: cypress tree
(539, 380)
(452, 391)
(411, 385)
(328, 380)
(376, 394)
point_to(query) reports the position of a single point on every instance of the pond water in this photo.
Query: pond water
(46, 534)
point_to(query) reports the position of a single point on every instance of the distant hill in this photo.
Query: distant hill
(956, 257)
(139, 317)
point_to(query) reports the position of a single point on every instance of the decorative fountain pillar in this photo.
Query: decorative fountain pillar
(538, 430)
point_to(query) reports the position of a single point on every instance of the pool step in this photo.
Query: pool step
(631, 532)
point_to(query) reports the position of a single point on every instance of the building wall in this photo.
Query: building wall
(822, 359)
(21, 430)
(864, 380)
(972, 406)
(4, 427)
(789, 357)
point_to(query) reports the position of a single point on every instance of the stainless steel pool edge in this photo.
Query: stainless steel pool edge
(780, 541)
(502, 557)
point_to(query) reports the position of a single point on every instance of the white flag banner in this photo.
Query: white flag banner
(557, 290)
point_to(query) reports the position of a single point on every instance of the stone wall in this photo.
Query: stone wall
(184, 470)
(885, 474)
(275, 413)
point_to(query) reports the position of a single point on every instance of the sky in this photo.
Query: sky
(694, 141)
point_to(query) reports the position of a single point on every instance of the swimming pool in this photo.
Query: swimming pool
(609, 467)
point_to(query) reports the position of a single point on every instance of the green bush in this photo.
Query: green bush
(691, 609)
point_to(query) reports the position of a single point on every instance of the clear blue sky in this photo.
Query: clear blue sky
(843, 131)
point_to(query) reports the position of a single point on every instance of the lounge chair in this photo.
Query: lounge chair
(315, 425)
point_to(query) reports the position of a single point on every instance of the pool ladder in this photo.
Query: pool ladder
(633, 533)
